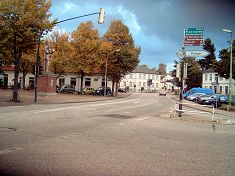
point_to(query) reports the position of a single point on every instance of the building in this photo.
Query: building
(141, 78)
(210, 79)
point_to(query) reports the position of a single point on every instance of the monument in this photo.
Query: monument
(47, 80)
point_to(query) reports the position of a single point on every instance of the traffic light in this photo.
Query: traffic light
(189, 70)
(40, 70)
(101, 16)
(34, 69)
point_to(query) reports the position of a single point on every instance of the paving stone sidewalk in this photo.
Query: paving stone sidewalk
(27, 98)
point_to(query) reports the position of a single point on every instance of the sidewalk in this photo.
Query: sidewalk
(228, 117)
(27, 98)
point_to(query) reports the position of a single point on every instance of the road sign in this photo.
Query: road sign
(197, 53)
(192, 53)
(193, 36)
(180, 54)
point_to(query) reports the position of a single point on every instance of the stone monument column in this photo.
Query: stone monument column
(47, 80)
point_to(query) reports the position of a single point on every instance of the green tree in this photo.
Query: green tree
(124, 61)
(195, 77)
(210, 60)
(86, 42)
(223, 66)
(22, 23)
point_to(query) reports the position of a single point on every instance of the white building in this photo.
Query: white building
(142, 78)
(210, 79)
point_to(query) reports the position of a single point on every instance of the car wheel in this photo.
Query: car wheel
(83, 93)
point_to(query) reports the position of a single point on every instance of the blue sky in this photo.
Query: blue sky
(157, 26)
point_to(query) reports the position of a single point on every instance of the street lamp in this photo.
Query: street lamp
(231, 64)
(106, 68)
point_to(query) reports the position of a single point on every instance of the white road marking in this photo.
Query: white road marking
(145, 118)
(9, 150)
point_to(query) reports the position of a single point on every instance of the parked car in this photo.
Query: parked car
(100, 91)
(67, 89)
(88, 91)
(194, 96)
(162, 92)
(212, 102)
(122, 90)
(197, 90)
(202, 99)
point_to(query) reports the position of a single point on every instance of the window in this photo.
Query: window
(144, 84)
(206, 77)
(73, 81)
(149, 77)
(87, 82)
(156, 85)
(140, 76)
(221, 78)
(139, 84)
(226, 89)
(131, 75)
(130, 84)
(153, 77)
(61, 81)
(210, 77)
(144, 76)
(96, 79)
(220, 89)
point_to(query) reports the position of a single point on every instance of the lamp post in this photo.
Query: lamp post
(106, 69)
(231, 66)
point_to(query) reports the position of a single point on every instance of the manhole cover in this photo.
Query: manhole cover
(120, 116)
(7, 129)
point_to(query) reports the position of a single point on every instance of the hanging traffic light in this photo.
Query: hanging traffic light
(101, 16)
(40, 70)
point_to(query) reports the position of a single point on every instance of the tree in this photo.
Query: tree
(210, 60)
(27, 63)
(162, 69)
(195, 76)
(22, 23)
(223, 66)
(124, 61)
(85, 41)
(62, 54)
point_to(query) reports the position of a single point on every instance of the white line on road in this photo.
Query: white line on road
(9, 150)
(145, 118)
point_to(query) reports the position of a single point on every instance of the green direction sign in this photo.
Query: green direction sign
(193, 31)
(193, 36)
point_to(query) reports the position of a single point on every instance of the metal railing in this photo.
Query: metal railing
(194, 112)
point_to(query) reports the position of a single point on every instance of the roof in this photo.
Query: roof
(209, 71)
(144, 69)
(7, 68)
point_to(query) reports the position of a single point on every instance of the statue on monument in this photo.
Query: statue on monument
(48, 52)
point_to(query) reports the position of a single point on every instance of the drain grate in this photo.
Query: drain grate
(120, 116)
(7, 129)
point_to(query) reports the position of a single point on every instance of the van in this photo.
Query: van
(198, 90)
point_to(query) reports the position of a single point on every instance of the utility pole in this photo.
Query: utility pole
(182, 83)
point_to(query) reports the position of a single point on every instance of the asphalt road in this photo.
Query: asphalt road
(128, 136)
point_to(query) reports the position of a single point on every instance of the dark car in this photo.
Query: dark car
(67, 89)
(212, 102)
(100, 91)
(122, 90)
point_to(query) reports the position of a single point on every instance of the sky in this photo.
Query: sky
(157, 26)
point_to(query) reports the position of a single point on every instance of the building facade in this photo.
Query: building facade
(210, 79)
(140, 79)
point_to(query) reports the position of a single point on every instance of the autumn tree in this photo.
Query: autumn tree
(27, 65)
(124, 61)
(85, 42)
(21, 24)
(162, 70)
(210, 60)
(63, 52)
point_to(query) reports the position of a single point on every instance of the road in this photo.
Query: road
(128, 136)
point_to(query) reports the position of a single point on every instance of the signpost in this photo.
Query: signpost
(193, 36)
(192, 53)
